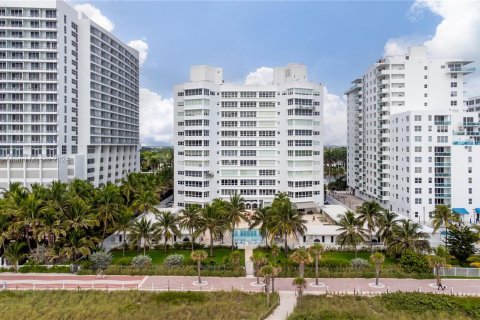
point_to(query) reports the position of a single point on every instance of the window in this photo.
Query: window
(418, 200)
(418, 118)
(453, 84)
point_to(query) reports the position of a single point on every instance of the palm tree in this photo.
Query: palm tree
(368, 214)
(123, 223)
(141, 233)
(107, 206)
(50, 226)
(302, 257)
(129, 187)
(258, 260)
(199, 256)
(267, 273)
(167, 226)
(352, 231)
(261, 218)
(145, 202)
(27, 216)
(438, 260)
(235, 209)
(274, 251)
(300, 284)
(78, 215)
(14, 253)
(286, 220)
(316, 250)
(377, 259)
(190, 219)
(5, 235)
(407, 235)
(81, 188)
(387, 222)
(443, 215)
(213, 220)
(76, 244)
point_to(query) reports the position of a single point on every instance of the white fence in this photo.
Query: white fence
(459, 272)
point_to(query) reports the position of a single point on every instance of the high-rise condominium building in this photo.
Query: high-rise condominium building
(68, 97)
(473, 104)
(254, 140)
(411, 145)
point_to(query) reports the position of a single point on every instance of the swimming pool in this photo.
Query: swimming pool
(247, 235)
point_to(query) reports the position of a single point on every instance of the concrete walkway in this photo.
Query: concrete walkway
(249, 270)
(288, 300)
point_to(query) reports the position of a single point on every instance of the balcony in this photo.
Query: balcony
(462, 70)
(442, 164)
(442, 123)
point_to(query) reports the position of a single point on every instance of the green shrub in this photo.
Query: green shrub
(359, 263)
(124, 261)
(101, 260)
(414, 262)
(141, 261)
(174, 261)
(32, 268)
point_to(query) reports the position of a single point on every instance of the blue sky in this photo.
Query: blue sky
(337, 40)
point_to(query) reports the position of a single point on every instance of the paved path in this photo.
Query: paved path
(163, 283)
(288, 300)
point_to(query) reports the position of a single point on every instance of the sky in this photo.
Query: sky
(337, 40)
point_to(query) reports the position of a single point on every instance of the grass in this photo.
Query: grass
(158, 256)
(404, 306)
(92, 305)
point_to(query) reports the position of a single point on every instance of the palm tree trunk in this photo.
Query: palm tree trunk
(316, 270)
(301, 269)
(104, 231)
(28, 240)
(355, 248)
(268, 297)
(233, 235)
(165, 245)
(198, 268)
(258, 276)
(446, 237)
(273, 284)
(144, 242)
(377, 274)
(286, 245)
(211, 243)
(371, 241)
(192, 240)
(124, 243)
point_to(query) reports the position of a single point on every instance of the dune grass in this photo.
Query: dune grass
(398, 306)
(139, 305)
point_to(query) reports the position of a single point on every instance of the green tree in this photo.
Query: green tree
(262, 219)
(369, 215)
(286, 220)
(123, 224)
(167, 226)
(352, 231)
(145, 202)
(316, 250)
(461, 242)
(235, 209)
(75, 245)
(300, 284)
(301, 257)
(199, 256)
(141, 233)
(258, 260)
(213, 220)
(443, 215)
(408, 236)
(15, 253)
(438, 260)
(377, 259)
(267, 273)
(108, 203)
(387, 223)
(50, 226)
(190, 219)
(235, 259)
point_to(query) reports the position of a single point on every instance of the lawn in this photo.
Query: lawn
(137, 305)
(158, 256)
(405, 306)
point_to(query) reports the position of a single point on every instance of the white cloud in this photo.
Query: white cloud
(263, 75)
(95, 15)
(456, 36)
(142, 47)
(156, 118)
(334, 119)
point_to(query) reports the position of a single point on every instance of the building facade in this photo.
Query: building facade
(69, 97)
(254, 140)
(411, 144)
(473, 104)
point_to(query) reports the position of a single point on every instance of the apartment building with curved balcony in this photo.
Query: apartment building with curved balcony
(410, 141)
(254, 140)
(57, 122)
